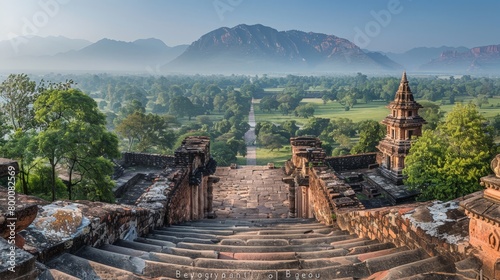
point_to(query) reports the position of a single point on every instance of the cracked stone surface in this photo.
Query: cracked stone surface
(251, 192)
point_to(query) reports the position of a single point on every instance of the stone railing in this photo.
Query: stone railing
(352, 162)
(436, 227)
(143, 159)
(315, 190)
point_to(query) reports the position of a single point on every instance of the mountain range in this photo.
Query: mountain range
(139, 56)
(243, 49)
(258, 48)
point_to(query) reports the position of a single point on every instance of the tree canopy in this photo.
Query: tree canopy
(73, 136)
(447, 162)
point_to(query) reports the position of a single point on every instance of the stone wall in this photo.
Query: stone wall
(352, 162)
(436, 227)
(143, 159)
(318, 192)
(81, 223)
(6, 165)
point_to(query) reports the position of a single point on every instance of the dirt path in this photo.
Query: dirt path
(250, 139)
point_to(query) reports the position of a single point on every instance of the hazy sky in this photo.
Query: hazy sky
(386, 25)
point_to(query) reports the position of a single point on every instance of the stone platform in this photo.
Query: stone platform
(252, 192)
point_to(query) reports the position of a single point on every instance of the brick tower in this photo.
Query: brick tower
(403, 123)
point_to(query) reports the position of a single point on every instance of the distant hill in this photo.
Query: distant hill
(105, 55)
(258, 48)
(485, 59)
(416, 57)
(39, 46)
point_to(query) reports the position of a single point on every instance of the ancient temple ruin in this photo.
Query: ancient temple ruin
(403, 124)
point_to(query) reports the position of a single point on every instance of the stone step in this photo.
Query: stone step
(247, 250)
(154, 242)
(185, 234)
(370, 248)
(194, 254)
(139, 246)
(54, 274)
(123, 250)
(254, 242)
(175, 240)
(278, 223)
(253, 249)
(196, 230)
(323, 240)
(132, 264)
(323, 230)
(84, 269)
(351, 243)
(168, 258)
(434, 276)
(427, 266)
(258, 256)
(290, 232)
(387, 262)
(254, 229)
(467, 269)
(284, 242)
(247, 236)
(225, 264)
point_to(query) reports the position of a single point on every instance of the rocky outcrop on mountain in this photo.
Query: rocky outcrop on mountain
(254, 48)
(478, 59)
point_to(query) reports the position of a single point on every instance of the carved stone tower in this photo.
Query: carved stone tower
(403, 124)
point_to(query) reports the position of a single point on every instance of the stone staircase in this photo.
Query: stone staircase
(250, 249)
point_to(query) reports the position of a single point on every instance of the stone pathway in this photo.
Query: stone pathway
(250, 192)
(250, 138)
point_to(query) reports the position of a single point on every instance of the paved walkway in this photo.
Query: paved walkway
(251, 192)
(250, 139)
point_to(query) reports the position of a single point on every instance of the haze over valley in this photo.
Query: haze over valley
(243, 49)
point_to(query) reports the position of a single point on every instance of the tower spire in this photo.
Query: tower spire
(403, 78)
(402, 125)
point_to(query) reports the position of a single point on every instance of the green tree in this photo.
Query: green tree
(73, 136)
(448, 162)
(271, 141)
(146, 132)
(304, 111)
(222, 154)
(314, 126)
(17, 94)
(370, 134)
(268, 103)
(181, 106)
(431, 113)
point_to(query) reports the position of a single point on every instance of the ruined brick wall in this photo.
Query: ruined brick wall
(143, 159)
(321, 206)
(326, 193)
(352, 162)
(179, 205)
(6, 166)
(399, 225)
(99, 223)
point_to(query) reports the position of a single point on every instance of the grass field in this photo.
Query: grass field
(487, 110)
(375, 110)
(265, 156)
